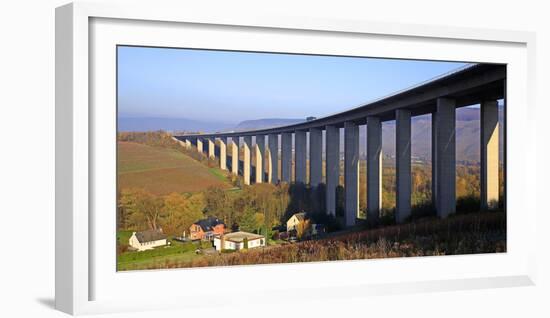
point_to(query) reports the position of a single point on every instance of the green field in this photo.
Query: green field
(163, 170)
(175, 252)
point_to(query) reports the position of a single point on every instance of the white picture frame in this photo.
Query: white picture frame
(84, 35)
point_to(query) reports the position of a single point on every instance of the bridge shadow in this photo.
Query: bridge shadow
(312, 200)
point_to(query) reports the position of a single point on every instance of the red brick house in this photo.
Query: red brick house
(206, 229)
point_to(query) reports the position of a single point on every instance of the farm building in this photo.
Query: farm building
(238, 241)
(146, 240)
(206, 229)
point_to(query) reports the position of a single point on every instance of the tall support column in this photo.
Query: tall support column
(223, 153)
(286, 156)
(489, 155)
(351, 172)
(273, 171)
(403, 164)
(199, 145)
(446, 157)
(235, 155)
(332, 151)
(187, 143)
(315, 156)
(260, 155)
(374, 169)
(434, 160)
(211, 148)
(300, 145)
(247, 144)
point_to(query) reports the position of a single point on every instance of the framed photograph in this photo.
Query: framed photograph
(271, 155)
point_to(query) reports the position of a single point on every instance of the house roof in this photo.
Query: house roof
(300, 216)
(150, 235)
(238, 237)
(209, 223)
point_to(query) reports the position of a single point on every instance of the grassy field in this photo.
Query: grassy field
(163, 170)
(175, 252)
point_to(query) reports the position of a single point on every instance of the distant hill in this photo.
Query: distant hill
(169, 124)
(265, 123)
(467, 134)
(467, 131)
(183, 124)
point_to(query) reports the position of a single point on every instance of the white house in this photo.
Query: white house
(238, 240)
(147, 240)
(294, 221)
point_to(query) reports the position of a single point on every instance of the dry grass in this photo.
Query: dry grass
(163, 170)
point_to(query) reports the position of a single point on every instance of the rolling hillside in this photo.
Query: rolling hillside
(163, 170)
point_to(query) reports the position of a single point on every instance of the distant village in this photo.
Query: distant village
(298, 227)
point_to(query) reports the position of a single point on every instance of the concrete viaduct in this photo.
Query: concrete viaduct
(482, 84)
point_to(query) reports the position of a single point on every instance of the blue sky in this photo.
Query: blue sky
(233, 86)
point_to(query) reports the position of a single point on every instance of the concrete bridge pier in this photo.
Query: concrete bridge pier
(351, 172)
(403, 164)
(187, 143)
(286, 157)
(315, 156)
(374, 169)
(273, 171)
(235, 155)
(332, 151)
(199, 145)
(434, 159)
(260, 156)
(223, 153)
(489, 155)
(446, 157)
(247, 145)
(211, 148)
(300, 146)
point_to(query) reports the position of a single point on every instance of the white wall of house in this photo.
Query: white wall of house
(135, 243)
(292, 223)
(217, 244)
(229, 245)
(256, 243)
